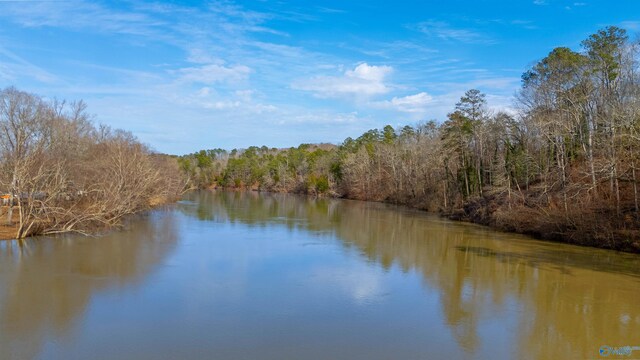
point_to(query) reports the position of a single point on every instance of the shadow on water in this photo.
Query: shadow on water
(557, 258)
(48, 283)
(384, 232)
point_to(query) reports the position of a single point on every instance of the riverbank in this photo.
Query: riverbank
(592, 227)
(495, 211)
(9, 232)
(515, 214)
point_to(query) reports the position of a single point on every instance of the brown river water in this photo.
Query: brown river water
(224, 275)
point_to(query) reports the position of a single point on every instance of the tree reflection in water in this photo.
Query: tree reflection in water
(562, 301)
(47, 283)
(493, 294)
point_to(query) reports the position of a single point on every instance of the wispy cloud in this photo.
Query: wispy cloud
(80, 15)
(397, 51)
(209, 98)
(445, 31)
(212, 73)
(573, 5)
(159, 22)
(330, 10)
(525, 24)
(245, 68)
(294, 116)
(631, 25)
(14, 67)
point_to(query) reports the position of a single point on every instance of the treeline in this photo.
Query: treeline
(60, 173)
(563, 167)
(308, 169)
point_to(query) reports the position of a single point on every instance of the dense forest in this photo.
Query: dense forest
(563, 166)
(61, 173)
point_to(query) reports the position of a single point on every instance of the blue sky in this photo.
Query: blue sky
(187, 76)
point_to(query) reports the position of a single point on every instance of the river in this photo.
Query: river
(231, 275)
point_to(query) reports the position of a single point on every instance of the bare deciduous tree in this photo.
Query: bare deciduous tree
(63, 174)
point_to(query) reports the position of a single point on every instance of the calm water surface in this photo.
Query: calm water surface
(255, 276)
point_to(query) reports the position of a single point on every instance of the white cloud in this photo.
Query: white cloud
(371, 73)
(221, 105)
(204, 92)
(361, 285)
(417, 99)
(414, 104)
(245, 95)
(363, 81)
(200, 56)
(220, 50)
(501, 103)
(423, 105)
(210, 99)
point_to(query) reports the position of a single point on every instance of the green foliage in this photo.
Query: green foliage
(604, 49)
(318, 184)
(407, 132)
(322, 184)
(389, 134)
(574, 137)
(335, 170)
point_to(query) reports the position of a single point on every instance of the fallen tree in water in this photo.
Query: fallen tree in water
(60, 173)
